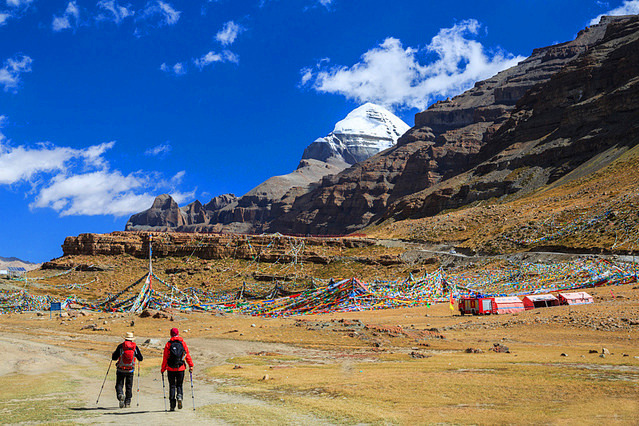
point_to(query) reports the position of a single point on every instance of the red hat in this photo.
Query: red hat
(174, 332)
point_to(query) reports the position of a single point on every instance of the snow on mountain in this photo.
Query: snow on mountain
(372, 120)
(364, 132)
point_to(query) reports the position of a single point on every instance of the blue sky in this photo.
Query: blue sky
(105, 104)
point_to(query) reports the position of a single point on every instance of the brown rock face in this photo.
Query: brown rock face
(164, 213)
(564, 112)
(580, 120)
(448, 140)
(270, 248)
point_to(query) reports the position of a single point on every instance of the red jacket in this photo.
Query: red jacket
(167, 349)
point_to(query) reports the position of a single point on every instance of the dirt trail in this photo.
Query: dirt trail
(42, 359)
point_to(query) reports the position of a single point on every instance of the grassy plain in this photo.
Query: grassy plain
(329, 369)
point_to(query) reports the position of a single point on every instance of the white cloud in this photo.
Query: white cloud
(3, 18)
(392, 75)
(163, 11)
(101, 193)
(326, 3)
(212, 57)
(23, 164)
(18, 3)
(69, 19)
(79, 181)
(10, 72)
(177, 69)
(96, 193)
(3, 120)
(116, 12)
(178, 177)
(159, 150)
(307, 75)
(229, 33)
(629, 7)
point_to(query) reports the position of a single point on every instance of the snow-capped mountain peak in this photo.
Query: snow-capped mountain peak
(373, 120)
(364, 132)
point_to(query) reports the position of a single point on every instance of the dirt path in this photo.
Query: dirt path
(42, 358)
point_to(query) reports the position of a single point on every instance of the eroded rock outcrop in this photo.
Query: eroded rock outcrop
(364, 132)
(269, 248)
(447, 141)
(577, 122)
(564, 112)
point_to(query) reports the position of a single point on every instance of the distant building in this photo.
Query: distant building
(578, 298)
(16, 271)
(533, 301)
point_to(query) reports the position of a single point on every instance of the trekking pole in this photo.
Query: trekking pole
(139, 368)
(163, 392)
(192, 394)
(105, 377)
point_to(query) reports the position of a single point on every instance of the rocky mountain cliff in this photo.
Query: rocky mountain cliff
(509, 135)
(576, 123)
(364, 132)
(563, 113)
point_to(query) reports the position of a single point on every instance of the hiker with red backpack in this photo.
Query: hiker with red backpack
(125, 355)
(176, 357)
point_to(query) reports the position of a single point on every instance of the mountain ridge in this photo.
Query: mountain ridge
(365, 131)
(528, 127)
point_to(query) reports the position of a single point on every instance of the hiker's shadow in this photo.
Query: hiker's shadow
(116, 409)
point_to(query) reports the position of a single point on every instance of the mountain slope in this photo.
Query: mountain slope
(6, 262)
(365, 131)
(563, 115)
(427, 171)
(590, 107)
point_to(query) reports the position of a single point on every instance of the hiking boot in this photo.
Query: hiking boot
(180, 404)
(172, 401)
(127, 405)
(121, 399)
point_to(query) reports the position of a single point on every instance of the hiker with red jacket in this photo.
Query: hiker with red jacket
(175, 354)
(125, 355)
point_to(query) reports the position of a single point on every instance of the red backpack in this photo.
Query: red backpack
(127, 356)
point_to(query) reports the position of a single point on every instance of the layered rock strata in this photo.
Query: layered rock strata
(364, 132)
(449, 139)
(577, 122)
(268, 248)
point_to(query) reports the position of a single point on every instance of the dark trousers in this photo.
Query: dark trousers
(176, 378)
(126, 380)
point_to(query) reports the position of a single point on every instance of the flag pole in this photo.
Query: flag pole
(150, 254)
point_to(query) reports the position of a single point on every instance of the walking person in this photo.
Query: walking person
(176, 358)
(125, 355)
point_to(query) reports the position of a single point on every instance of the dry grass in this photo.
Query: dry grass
(534, 384)
(256, 414)
(483, 226)
(36, 398)
(452, 388)
(346, 380)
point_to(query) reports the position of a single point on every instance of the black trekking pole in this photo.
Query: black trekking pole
(139, 368)
(163, 391)
(192, 394)
(105, 377)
